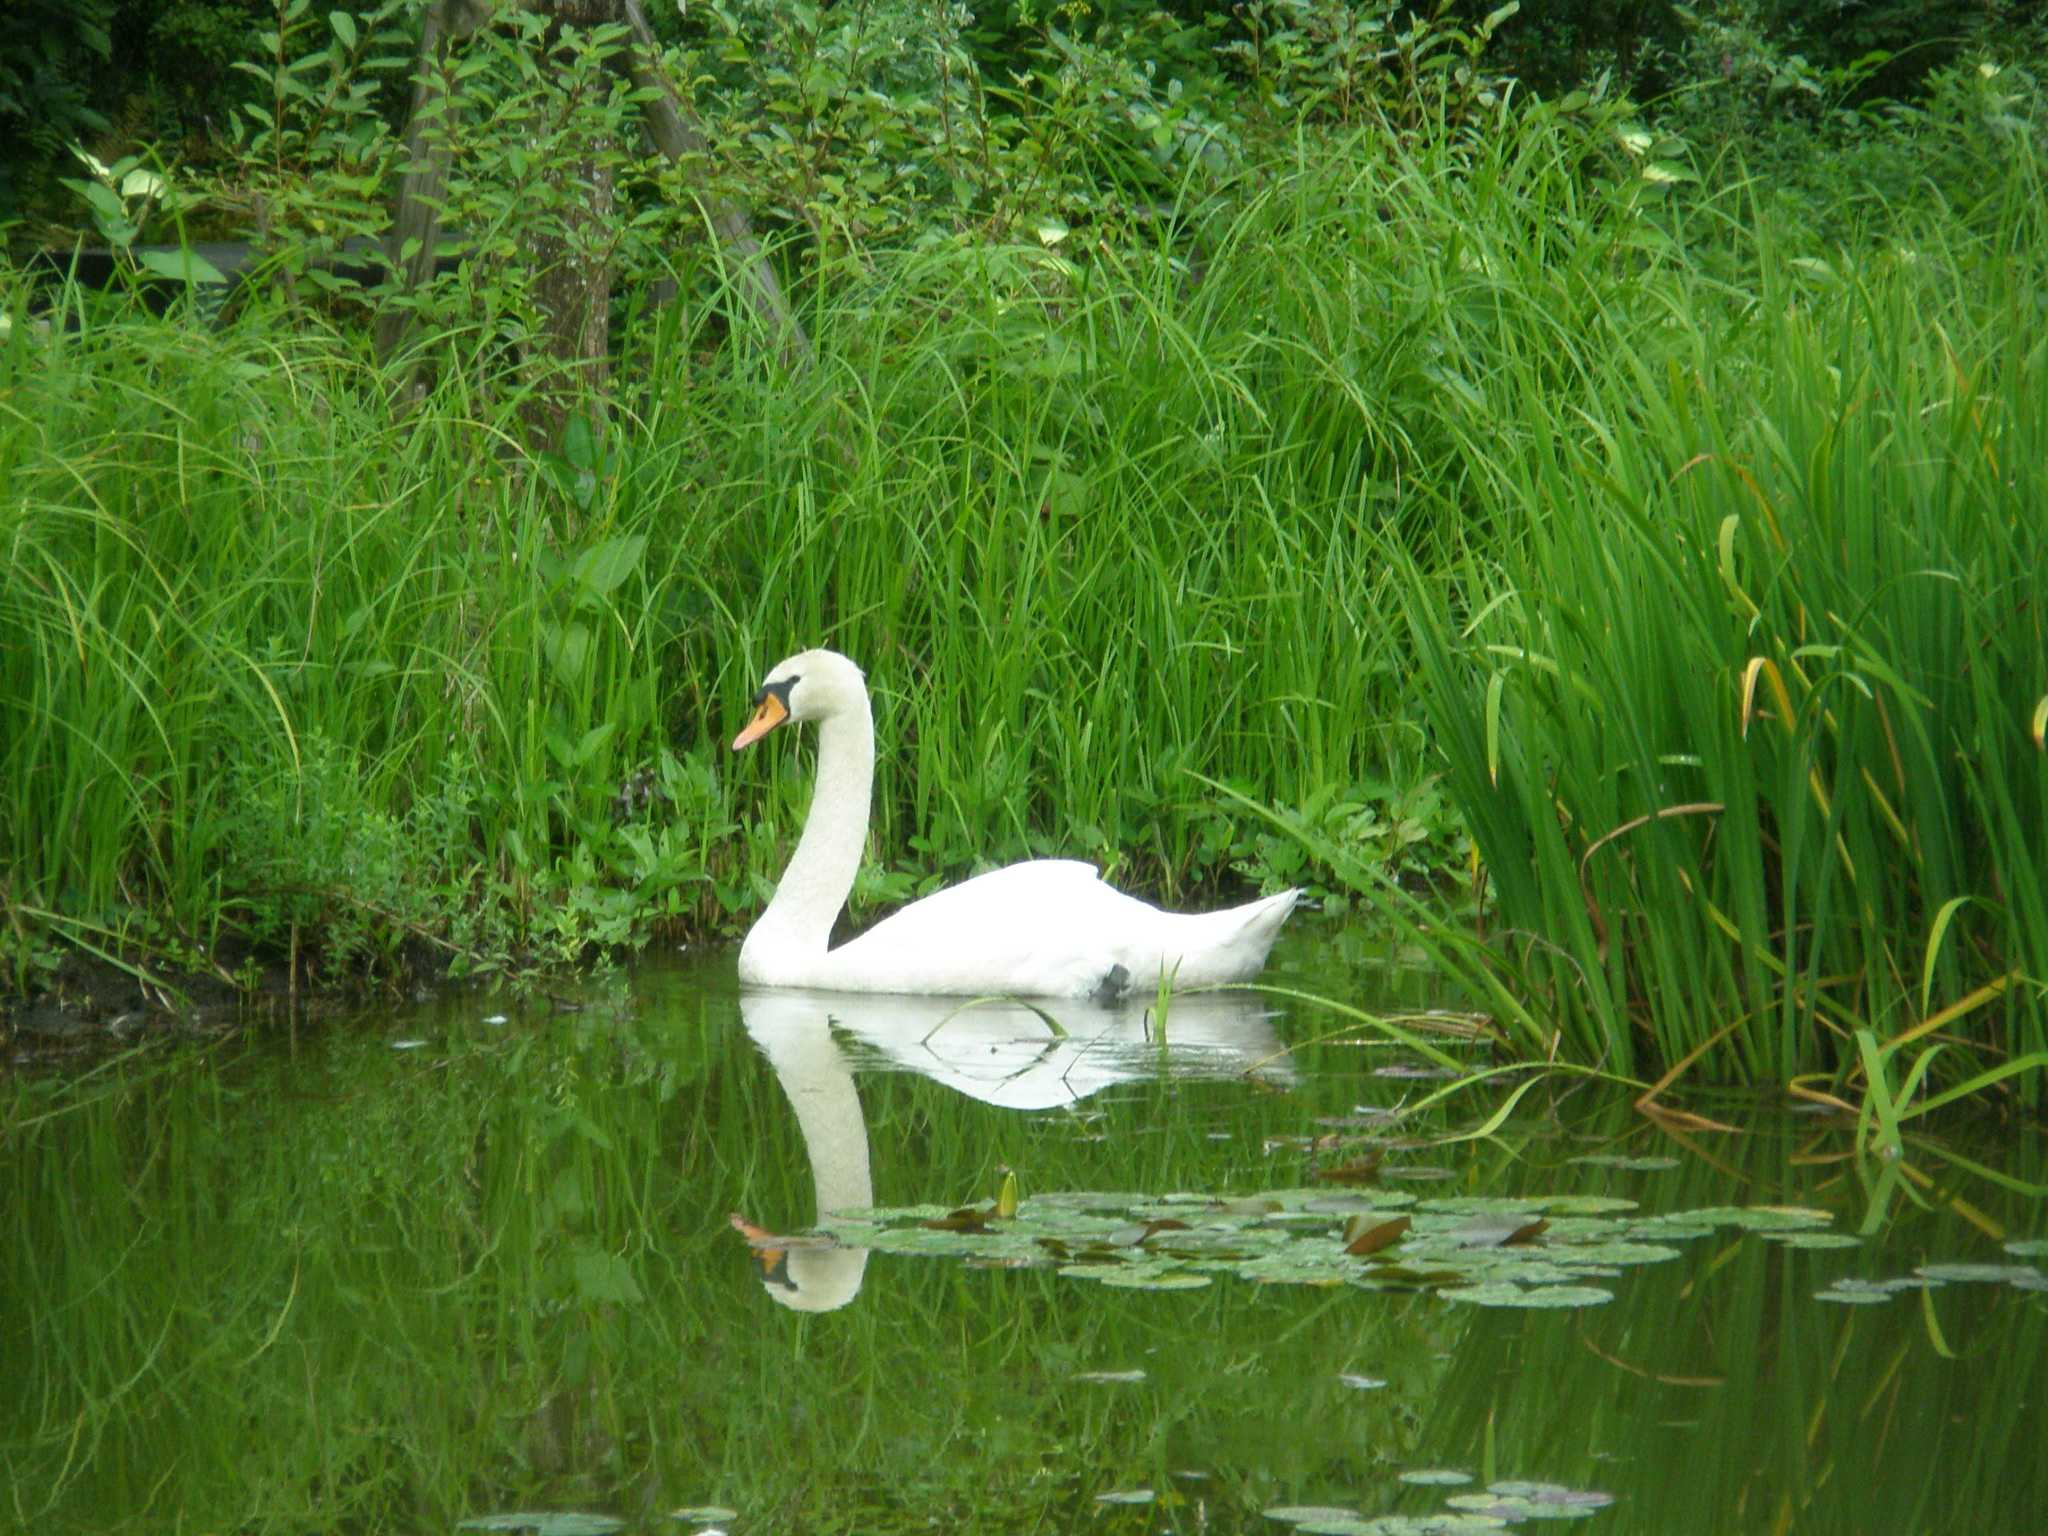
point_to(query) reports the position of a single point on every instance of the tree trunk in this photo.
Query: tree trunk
(572, 267)
(416, 222)
(675, 136)
(573, 290)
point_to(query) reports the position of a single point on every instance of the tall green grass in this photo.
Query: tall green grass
(1746, 720)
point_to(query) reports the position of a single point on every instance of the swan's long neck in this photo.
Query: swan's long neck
(820, 874)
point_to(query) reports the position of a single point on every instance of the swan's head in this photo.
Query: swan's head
(812, 685)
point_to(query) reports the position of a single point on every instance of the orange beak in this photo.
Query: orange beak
(771, 713)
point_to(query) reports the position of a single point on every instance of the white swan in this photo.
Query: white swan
(1047, 928)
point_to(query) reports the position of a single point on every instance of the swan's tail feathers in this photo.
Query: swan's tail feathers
(1232, 945)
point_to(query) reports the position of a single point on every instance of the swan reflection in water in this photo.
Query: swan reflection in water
(1002, 1052)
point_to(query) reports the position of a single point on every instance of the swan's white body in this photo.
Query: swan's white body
(1048, 928)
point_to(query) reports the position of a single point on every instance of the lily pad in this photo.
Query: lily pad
(1301, 1514)
(1627, 1164)
(1488, 1251)
(1552, 1493)
(1854, 1293)
(1617, 1252)
(1090, 1271)
(1511, 1510)
(546, 1523)
(1144, 1279)
(1442, 1523)
(1505, 1293)
(1815, 1239)
(1762, 1218)
(1588, 1205)
(2029, 1248)
(1436, 1477)
(704, 1514)
(1994, 1273)
(1518, 1501)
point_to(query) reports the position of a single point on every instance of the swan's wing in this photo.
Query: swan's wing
(1049, 927)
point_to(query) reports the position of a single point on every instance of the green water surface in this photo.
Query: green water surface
(480, 1258)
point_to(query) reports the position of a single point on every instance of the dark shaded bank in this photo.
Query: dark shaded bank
(240, 273)
(89, 1004)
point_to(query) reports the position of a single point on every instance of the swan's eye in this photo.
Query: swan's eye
(779, 688)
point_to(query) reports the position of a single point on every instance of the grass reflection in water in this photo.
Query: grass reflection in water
(352, 1287)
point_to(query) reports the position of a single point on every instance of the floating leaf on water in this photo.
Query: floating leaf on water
(1627, 1164)
(1481, 1248)
(1134, 1236)
(1420, 1173)
(1295, 1221)
(1411, 1072)
(1112, 1376)
(1359, 1383)
(1375, 1204)
(1517, 1501)
(2029, 1248)
(1618, 1252)
(1854, 1293)
(1089, 1200)
(1508, 1266)
(1497, 1231)
(704, 1514)
(1127, 1496)
(1436, 1477)
(1441, 1523)
(1814, 1239)
(1586, 1205)
(1511, 1510)
(1298, 1514)
(1505, 1293)
(1145, 1278)
(1499, 1206)
(546, 1523)
(1363, 1236)
(1304, 1267)
(1993, 1273)
(1679, 1227)
(1086, 1271)
(966, 1219)
(1760, 1218)
(1552, 1493)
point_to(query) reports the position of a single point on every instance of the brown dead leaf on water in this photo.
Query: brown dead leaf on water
(1361, 1240)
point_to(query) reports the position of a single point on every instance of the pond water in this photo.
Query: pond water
(484, 1259)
